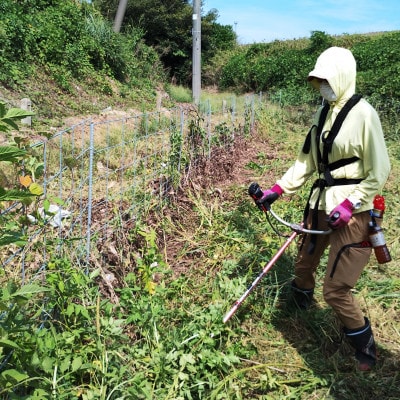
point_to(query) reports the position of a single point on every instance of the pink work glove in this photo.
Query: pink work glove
(269, 196)
(341, 214)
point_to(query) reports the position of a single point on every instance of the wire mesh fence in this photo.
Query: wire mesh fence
(106, 173)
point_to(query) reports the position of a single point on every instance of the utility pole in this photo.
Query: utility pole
(120, 15)
(196, 60)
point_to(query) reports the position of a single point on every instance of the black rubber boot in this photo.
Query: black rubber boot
(303, 298)
(363, 341)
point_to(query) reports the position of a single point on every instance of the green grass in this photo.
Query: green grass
(284, 353)
(164, 337)
(179, 93)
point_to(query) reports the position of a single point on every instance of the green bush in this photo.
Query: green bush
(71, 40)
(281, 67)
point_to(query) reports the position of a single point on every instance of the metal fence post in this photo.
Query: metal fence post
(90, 193)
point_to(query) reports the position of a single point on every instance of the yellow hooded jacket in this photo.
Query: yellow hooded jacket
(360, 136)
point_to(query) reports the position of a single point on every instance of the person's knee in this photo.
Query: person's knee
(332, 294)
(329, 296)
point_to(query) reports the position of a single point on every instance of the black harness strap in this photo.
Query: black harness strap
(328, 141)
(321, 121)
(324, 167)
(328, 138)
(360, 245)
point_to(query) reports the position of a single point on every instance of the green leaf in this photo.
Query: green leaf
(39, 394)
(17, 113)
(2, 109)
(61, 286)
(36, 189)
(84, 312)
(58, 201)
(46, 205)
(14, 376)
(11, 123)
(70, 162)
(28, 290)
(70, 309)
(11, 153)
(14, 195)
(94, 274)
(47, 364)
(12, 237)
(77, 363)
(9, 344)
(65, 363)
(186, 359)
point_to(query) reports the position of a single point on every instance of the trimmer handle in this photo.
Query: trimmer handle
(256, 193)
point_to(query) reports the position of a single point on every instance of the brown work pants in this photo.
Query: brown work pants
(345, 265)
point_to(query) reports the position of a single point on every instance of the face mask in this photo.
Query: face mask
(327, 92)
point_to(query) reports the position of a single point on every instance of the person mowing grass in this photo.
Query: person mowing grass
(345, 148)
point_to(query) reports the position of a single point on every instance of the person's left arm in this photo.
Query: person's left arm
(375, 158)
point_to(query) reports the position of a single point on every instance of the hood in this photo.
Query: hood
(338, 66)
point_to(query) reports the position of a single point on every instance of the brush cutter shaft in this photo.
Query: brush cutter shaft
(299, 228)
(256, 193)
(267, 267)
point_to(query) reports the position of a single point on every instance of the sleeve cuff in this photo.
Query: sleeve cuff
(356, 203)
(277, 189)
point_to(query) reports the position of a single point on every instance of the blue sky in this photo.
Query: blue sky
(268, 20)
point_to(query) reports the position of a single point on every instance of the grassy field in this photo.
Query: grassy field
(157, 330)
(284, 353)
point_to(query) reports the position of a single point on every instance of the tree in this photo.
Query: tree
(167, 26)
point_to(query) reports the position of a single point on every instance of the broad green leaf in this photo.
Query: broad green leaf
(39, 394)
(186, 359)
(39, 170)
(11, 153)
(10, 123)
(47, 364)
(70, 162)
(61, 286)
(65, 363)
(17, 113)
(14, 376)
(58, 201)
(84, 312)
(27, 290)
(70, 309)
(9, 343)
(14, 195)
(77, 363)
(46, 205)
(36, 189)
(8, 237)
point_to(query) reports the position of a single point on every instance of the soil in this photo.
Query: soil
(219, 175)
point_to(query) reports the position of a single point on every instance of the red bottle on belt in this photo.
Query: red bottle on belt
(375, 232)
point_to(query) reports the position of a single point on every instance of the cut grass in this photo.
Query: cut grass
(286, 353)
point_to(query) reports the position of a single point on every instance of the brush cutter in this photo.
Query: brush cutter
(256, 193)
